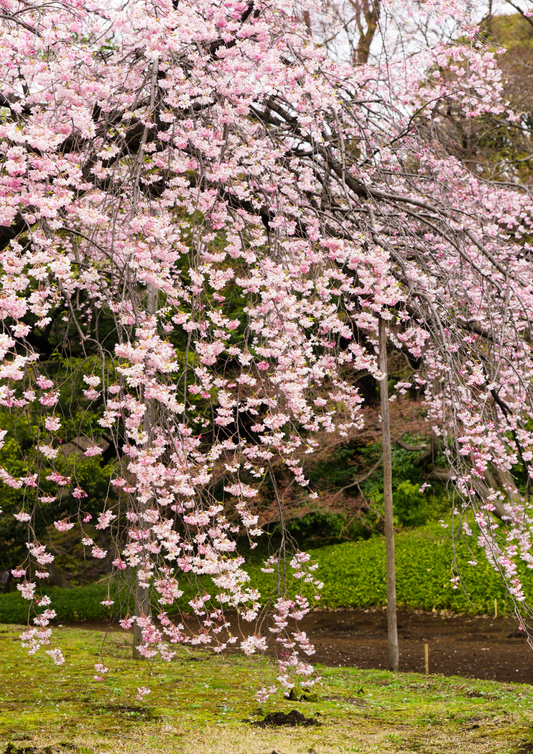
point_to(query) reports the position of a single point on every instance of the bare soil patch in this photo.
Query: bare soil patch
(472, 646)
(292, 718)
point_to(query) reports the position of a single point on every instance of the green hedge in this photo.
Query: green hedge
(78, 603)
(81, 603)
(353, 573)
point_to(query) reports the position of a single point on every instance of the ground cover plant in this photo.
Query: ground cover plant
(202, 704)
(353, 574)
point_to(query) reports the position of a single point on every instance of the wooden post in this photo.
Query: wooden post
(387, 499)
(426, 658)
(495, 608)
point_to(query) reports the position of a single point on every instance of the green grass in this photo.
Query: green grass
(198, 703)
(353, 574)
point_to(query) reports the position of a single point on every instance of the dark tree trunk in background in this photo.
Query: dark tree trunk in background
(142, 594)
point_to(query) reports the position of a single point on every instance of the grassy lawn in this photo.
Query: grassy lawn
(198, 703)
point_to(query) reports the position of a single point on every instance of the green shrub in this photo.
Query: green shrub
(354, 574)
(76, 604)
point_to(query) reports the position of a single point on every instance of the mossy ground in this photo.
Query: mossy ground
(198, 703)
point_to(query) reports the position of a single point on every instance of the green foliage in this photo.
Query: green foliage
(326, 528)
(511, 31)
(77, 604)
(337, 471)
(351, 461)
(20, 457)
(412, 507)
(83, 603)
(353, 573)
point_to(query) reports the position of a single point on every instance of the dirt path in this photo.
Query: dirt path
(470, 646)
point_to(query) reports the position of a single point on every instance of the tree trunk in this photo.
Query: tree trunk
(142, 608)
(142, 593)
(387, 499)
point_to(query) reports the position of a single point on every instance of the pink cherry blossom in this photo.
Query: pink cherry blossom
(93, 450)
(63, 525)
(22, 516)
(56, 655)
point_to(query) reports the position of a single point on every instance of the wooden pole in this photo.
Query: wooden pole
(387, 499)
(426, 658)
(495, 608)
